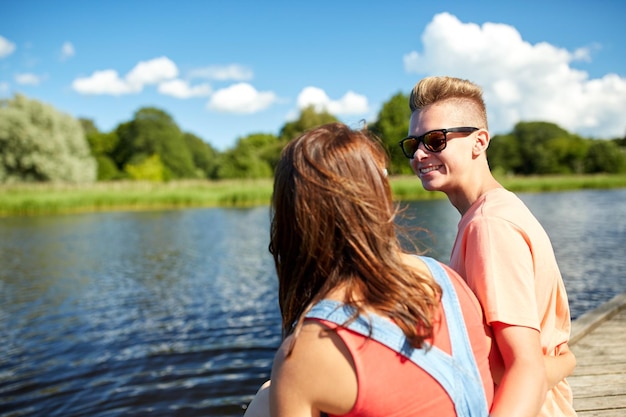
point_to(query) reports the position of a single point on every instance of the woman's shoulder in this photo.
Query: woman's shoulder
(307, 362)
(416, 262)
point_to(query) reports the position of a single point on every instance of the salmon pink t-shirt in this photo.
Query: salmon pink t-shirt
(507, 259)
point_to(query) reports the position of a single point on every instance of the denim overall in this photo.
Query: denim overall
(457, 373)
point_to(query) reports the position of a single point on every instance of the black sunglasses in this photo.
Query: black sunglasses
(434, 141)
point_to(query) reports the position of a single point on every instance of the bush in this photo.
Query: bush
(39, 143)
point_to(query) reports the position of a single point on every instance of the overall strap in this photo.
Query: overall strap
(461, 347)
(457, 374)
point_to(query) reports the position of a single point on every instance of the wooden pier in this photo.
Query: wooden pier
(599, 342)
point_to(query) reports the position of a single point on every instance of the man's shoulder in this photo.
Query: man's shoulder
(502, 204)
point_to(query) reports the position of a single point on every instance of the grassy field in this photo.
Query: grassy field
(408, 188)
(37, 199)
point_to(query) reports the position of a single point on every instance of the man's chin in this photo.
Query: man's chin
(429, 186)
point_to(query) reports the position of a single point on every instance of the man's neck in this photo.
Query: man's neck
(463, 200)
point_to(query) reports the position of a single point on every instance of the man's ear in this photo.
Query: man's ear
(481, 143)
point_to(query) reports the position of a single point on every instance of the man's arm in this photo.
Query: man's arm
(561, 366)
(522, 390)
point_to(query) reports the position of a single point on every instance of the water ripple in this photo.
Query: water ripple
(175, 312)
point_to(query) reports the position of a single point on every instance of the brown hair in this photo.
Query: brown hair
(432, 90)
(333, 225)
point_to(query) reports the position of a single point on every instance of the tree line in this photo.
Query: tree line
(39, 143)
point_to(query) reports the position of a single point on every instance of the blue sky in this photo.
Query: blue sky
(226, 69)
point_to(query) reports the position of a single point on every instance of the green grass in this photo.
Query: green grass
(563, 182)
(36, 199)
(408, 188)
(31, 199)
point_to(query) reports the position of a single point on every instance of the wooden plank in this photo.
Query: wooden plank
(594, 389)
(584, 324)
(599, 343)
(615, 402)
(599, 368)
(601, 413)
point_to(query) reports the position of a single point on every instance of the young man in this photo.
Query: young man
(501, 249)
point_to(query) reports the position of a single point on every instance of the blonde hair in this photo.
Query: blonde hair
(431, 90)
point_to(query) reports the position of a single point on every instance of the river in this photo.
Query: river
(175, 312)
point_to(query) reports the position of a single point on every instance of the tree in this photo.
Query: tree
(504, 155)
(266, 147)
(254, 156)
(102, 146)
(391, 126)
(205, 158)
(151, 132)
(605, 156)
(545, 148)
(39, 143)
(88, 125)
(621, 142)
(242, 165)
(569, 152)
(107, 170)
(532, 139)
(309, 118)
(150, 169)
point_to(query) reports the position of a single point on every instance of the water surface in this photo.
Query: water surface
(175, 312)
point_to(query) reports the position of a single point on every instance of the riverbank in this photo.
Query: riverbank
(44, 198)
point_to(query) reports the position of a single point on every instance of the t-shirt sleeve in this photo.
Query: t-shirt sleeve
(499, 269)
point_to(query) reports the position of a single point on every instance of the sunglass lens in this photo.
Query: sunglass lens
(435, 141)
(410, 147)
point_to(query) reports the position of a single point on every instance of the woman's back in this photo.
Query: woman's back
(388, 384)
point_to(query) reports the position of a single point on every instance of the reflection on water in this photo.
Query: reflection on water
(175, 312)
(588, 232)
(172, 313)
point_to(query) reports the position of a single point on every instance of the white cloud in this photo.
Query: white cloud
(232, 72)
(350, 103)
(28, 79)
(4, 87)
(152, 72)
(6, 47)
(582, 54)
(102, 82)
(522, 81)
(241, 98)
(144, 73)
(67, 51)
(313, 96)
(181, 89)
